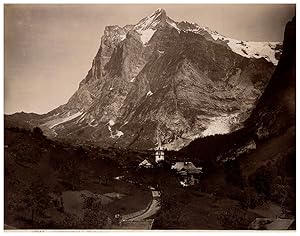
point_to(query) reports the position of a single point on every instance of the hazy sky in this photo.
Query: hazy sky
(49, 48)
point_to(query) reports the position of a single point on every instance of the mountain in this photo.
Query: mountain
(271, 123)
(162, 81)
(276, 108)
(255, 165)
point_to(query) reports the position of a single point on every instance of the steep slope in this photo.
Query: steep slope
(271, 122)
(276, 109)
(256, 165)
(175, 79)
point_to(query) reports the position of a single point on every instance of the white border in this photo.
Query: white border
(150, 2)
(112, 232)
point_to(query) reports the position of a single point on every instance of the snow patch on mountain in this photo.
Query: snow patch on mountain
(117, 134)
(125, 123)
(216, 125)
(61, 120)
(122, 37)
(91, 123)
(149, 93)
(146, 35)
(220, 125)
(149, 21)
(81, 118)
(247, 48)
(110, 130)
(111, 123)
(254, 49)
(173, 24)
(56, 114)
(145, 27)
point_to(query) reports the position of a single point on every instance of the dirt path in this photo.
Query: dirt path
(154, 207)
(140, 219)
(150, 210)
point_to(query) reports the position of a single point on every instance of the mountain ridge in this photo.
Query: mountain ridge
(135, 86)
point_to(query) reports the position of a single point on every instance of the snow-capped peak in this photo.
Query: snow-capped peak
(151, 21)
(159, 11)
(249, 49)
(244, 48)
(148, 25)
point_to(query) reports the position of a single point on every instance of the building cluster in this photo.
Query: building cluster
(188, 174)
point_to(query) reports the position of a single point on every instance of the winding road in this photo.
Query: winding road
(150, 210)
(140, 219)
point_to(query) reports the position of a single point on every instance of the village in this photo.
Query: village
(140, 191)
(187, 173)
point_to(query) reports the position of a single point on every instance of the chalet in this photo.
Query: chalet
(188, 173)
(155, 194)
(145, 164)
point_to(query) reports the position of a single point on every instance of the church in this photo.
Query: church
(159, 151)
(159, 155)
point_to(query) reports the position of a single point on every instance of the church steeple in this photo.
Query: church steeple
(159, 153)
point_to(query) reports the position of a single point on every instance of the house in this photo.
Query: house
(186, 166)
(156, 194)
(188, 173)
(145, 164)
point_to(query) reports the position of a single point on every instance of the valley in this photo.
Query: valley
(175, 126)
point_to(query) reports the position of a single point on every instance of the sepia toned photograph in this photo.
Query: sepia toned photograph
(149, 117)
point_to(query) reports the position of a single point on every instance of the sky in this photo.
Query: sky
(48, 49)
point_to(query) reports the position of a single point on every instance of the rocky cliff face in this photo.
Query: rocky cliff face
(276, 108)
(160, 78)
(272, 121)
